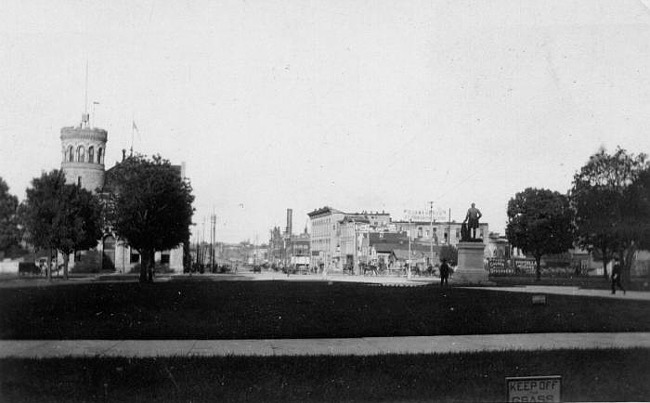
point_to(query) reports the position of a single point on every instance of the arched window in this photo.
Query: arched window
(100, 156)
(81, 153)
(91, 154)
(70, 154)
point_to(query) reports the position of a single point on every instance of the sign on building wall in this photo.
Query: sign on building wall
(439, 214)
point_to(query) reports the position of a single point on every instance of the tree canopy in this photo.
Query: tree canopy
(540, 223)
(9, 225)
(450, 253)
(607, 197)
(61, 216)
(150, 207)
(639, 205)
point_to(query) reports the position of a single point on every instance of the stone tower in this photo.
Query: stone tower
(83, 149)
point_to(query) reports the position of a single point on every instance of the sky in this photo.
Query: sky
(359, 105)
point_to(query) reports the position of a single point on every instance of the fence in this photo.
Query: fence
(527, 267)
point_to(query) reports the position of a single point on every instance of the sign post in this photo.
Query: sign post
(534, 389)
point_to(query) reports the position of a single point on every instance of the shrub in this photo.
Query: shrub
(86, 267)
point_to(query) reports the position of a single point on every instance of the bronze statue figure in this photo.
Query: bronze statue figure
(464, 232)
(472, 217)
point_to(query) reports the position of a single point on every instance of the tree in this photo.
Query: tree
(540, 223)
(9, 229)
(638, 196)
(61, 216)
(450, 253)
(603, 199)
(150, 207)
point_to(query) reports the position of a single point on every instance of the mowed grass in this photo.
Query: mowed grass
(270, 309)
(587, 375)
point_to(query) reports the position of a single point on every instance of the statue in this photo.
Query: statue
(472, 217)
(464, 233)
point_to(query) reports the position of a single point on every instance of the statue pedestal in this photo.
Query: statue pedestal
(470, 269)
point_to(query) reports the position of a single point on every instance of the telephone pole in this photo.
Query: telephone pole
(213, 222)
(431, 232)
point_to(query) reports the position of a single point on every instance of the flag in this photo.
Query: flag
(135, 127)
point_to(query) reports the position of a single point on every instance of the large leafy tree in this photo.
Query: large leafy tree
(540, 223)
(638, 196)
(9, 225)
(60, 216)
(607, 209)
(450, 253)
(150, 207)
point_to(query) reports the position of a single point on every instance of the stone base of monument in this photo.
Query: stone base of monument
(470, 269)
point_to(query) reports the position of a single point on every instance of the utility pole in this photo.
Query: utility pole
(431, 232)
(202, 242)
(213, 222)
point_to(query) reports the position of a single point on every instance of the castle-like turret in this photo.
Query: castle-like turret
(83, 149)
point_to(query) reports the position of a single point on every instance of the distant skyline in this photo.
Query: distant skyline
(357, 105)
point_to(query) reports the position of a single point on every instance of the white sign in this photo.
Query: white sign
(534, 388)
(439, 214)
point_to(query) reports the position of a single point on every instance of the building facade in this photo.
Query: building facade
(439, 233)
(325, 233)
(340, 240)
(83, 149)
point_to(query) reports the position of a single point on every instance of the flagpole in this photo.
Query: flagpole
(132, 133)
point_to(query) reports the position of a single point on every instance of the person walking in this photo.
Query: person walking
(616, 279)
(444, 273)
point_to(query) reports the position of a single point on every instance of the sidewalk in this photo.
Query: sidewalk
(575, 291)
(313, 347)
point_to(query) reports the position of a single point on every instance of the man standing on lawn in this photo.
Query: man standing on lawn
(616, 278)
(444, 273)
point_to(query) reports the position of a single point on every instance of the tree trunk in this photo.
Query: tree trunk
(49, 265)
(66, 259)
(605, 261)
(626, 257)
(538, 268)
(150, 267)
(144, 262)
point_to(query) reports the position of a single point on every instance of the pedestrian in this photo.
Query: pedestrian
(444, 273)
(616, 278)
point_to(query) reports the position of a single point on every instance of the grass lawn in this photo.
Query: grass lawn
(269, 309)
(587, 375)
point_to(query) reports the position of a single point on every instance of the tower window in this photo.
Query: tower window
(79, 181)
(100, 156)
(81, 153)
(91, 154)
(70, 154)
